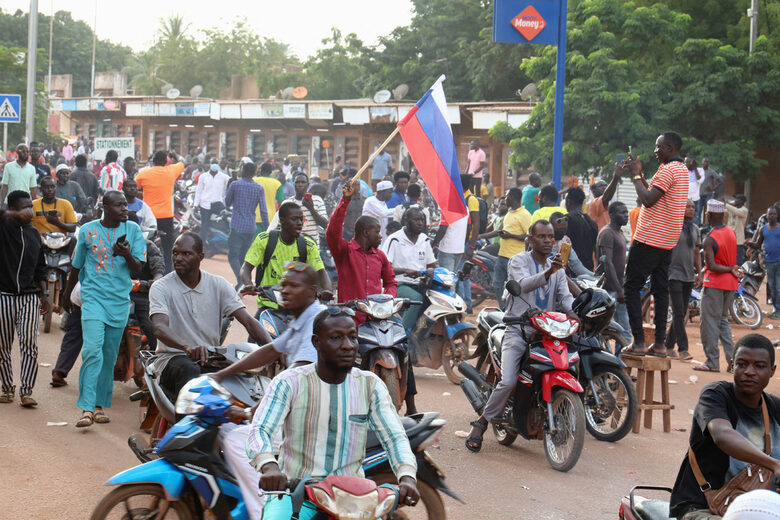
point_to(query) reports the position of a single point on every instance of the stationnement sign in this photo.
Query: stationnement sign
(125, 147)
(10, 108)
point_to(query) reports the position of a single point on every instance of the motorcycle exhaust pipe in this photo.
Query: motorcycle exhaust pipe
(473, 395)
(473, 374)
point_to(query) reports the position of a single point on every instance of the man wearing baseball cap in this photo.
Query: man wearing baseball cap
(376, 205)
(721, 279)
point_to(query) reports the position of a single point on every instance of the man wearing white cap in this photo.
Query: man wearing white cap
(721, 279)
(376, 205)
(70, 190)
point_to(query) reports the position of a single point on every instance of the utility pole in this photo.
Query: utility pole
(32, 49)
(753, 15)
(51, 39)
(94, 42)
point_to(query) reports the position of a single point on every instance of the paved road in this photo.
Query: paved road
(58, 471)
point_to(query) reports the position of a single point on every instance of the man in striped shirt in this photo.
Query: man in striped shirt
(325, 410)
(658, 230)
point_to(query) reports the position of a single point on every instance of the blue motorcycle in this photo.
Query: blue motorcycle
(441, 337)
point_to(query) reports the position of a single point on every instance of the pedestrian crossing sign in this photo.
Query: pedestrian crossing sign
(10, 108)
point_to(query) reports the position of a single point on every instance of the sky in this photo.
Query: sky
(300, 23)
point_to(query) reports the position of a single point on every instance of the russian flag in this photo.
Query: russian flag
(428, 137)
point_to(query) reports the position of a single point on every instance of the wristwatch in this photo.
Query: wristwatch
(636, 178)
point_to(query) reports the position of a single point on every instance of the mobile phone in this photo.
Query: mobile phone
(307, 196)
(123, 238)
(620, 158)
(565, 252)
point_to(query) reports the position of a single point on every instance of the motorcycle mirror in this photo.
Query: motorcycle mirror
(513, 286)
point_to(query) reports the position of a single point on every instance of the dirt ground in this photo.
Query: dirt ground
(58, 472)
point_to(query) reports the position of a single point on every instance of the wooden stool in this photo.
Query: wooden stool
(646, 367)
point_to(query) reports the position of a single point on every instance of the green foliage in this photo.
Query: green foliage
(631, 74)
(13, 80)
(72, 49)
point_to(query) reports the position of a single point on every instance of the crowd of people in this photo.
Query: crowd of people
(382, 238)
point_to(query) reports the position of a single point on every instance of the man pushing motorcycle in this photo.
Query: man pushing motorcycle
(544, 286)
(325, 410)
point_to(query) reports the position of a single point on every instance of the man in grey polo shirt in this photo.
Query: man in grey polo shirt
(186, 307)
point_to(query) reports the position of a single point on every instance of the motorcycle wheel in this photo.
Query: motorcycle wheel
(746, 311)
(50, 286)
(460, 349)
(391, 382)
(564, 448)
(138, 501)
(502, 436)
(613, 342)
(614, 418)
(478, 298)
(431, 506)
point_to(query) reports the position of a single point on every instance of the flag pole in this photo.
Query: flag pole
(373, 155)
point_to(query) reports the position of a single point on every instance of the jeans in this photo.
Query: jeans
(500, 275)
(166, 241)
(773, 283)
(453, 262)
(98, 357)
(680, 294)
(464, 287)
(715, 304)
(621, 316)
(644, 261)
(238, 245)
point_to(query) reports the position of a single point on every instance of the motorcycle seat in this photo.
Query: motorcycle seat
(372, 441)
(494, 318)
(653, 510)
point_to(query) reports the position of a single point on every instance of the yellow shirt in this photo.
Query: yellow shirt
(516, 222)
(64, 212)
(272, 193)
(545, 212)
(471, 202)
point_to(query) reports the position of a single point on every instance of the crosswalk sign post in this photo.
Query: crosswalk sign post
(10, 112)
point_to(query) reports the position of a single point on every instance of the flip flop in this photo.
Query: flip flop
(705, 368)
(474, 443)
(651, 352)
(631, 352)
(100, 416)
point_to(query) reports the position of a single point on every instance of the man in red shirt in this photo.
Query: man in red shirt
(658, 230)
(721, 279)
(363, 269)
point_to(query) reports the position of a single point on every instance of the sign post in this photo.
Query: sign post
(10, 112)
(538, 22)
(124, 146)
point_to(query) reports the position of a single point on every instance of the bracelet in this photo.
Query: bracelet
(636, 178)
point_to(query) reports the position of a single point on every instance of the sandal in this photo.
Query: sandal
(100, 416)
(474, 443)
(7, 397)
(87, 419)
(705, 368)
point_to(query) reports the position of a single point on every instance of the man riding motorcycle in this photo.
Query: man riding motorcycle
(325, 410)
(544, 285)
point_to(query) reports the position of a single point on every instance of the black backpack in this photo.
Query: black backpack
(273, 239)
(483, 214)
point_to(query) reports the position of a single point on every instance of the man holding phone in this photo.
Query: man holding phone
(107, 251)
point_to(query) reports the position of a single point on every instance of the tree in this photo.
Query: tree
(13, 79)
(338, 69)
(632, 73)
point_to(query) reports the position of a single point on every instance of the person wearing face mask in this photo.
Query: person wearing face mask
(210, 198)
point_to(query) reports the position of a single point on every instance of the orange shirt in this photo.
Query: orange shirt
(633, 218)
(157, 183)
(600, 214)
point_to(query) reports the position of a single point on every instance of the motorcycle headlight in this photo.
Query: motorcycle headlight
(556, 329)
(187, 401)
(385, 506)
(447, 280)
(382, 310)
(355, 507)
(323, 500)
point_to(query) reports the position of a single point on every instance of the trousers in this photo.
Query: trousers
(205, 221)
(715, 304)
(621, 316)
(141, 313)
(513, 348)
(238, 245)
(19, 314)
(644, 261)
(166, 241)
(773, 284)
(680, 294)
(233, 439)
(98, 357)
(500, 275)
(70, 348)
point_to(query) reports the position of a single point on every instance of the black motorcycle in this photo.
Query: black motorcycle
(55, 250)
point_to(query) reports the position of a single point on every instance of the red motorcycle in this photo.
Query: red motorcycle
(545, 404)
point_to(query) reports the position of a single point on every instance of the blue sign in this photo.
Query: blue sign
(10, 108)
(540, 22)
(526, 21)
